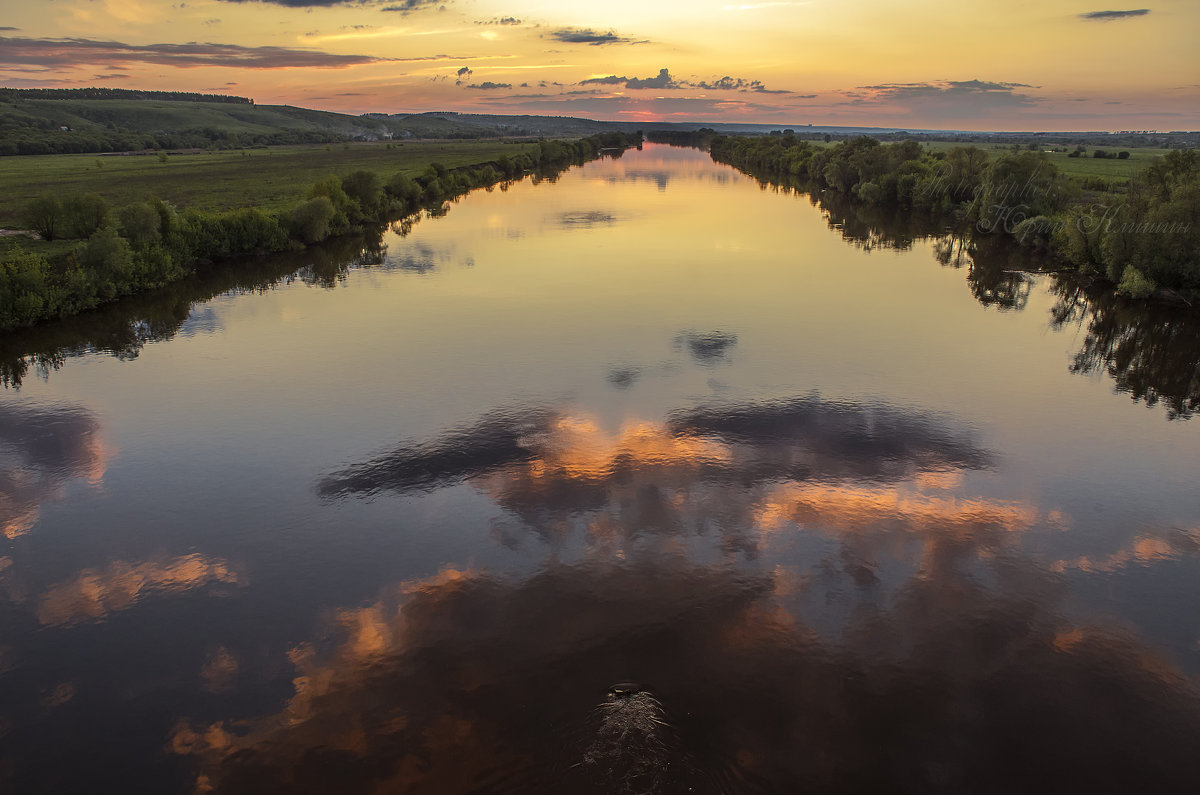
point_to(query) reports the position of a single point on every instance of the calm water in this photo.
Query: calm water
(641, 480)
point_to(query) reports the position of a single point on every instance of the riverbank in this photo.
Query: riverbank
(148, 242)
(1143, 237)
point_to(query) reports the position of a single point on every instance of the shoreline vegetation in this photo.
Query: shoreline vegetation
(148, 244)
(1143, 236)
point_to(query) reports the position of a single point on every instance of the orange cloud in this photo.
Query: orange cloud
(93, 594)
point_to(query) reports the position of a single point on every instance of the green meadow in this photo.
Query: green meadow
(268, 179)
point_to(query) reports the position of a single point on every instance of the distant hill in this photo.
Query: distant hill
(52, 121)
(17, 94)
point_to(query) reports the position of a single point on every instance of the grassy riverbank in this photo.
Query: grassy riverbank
(270, 178)
(93, 250)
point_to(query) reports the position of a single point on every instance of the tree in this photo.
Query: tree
(310, 219)
(366, 189)
(44, 215)
(83, 214)
(140, 224)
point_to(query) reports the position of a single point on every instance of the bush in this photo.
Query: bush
(23, 277)
(404, 191)
(109, 259)
(140, 224)
(1135, 285)
(310, 219)
(365, 189)
(44, 215)
(83, 215)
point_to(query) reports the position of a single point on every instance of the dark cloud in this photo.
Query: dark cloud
(728, 83)
(616, 107)
(947, 98)
(466, 70)
(6, 27)
(587, 36)
(499, 21)
(409, 6)
(492, 443)
(113, 76)
(797, 439)
(707, 347)
(945, 87)
(662, 81)
(1109, 16)
(585, 220)
(611, 80)
(75, 51)
(488, 85)
(404, 6)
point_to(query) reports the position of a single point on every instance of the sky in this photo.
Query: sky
(971, 64)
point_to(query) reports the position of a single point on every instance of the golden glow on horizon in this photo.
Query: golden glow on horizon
(928, 64)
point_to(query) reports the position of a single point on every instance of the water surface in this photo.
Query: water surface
(637, 480)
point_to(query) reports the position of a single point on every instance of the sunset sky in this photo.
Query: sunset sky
(972, 64)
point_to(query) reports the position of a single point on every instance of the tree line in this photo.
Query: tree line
(18, 94)
(1142, 240)
(147, 244)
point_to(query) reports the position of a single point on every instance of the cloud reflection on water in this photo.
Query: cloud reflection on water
(42, 450)
(470, 682)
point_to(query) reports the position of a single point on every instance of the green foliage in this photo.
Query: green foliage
(1134, 284)
(140, 224)
(44, 215)
(404, 191)
(108, 259)
(310, 219)
(83, 215)
(345, 209)
(1024, 182)
(1018, 193)
(158, 245)
(23, 287)
(1035, 232)
(365, 189)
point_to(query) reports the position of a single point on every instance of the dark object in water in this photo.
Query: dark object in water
(633, 749)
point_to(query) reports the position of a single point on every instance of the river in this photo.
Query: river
(646, 478)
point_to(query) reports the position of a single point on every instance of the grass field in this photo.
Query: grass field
(1081, 167)
(269, 179)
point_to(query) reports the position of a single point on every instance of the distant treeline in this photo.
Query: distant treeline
(18, 94)
(43, 139)
(697, 138)
(148, 244)
(1148, 238)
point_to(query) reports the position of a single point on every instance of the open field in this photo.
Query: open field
(1083, 166)
(269, 179)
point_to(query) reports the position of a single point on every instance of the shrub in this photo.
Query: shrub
(44, 215)
(140, 224)
(83, 215)
(1134, 284)
(310, 219)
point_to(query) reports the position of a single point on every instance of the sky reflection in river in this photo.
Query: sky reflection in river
(644, 452)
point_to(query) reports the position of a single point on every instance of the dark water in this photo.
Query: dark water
(639, 481)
